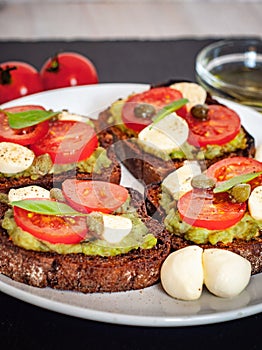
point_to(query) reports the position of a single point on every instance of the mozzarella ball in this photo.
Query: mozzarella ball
(226, 274)
(182, 273)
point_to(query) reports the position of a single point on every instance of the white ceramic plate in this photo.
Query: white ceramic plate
(151, 306)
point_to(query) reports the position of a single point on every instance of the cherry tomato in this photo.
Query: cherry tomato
(18, 79)
(157, 97)
(221, 126)
(68, 69)
(67, 142)
(87, 196)
(51, 228)
(208, 210)
(25, 136)
(225, 169)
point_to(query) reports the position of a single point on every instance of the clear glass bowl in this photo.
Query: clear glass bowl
(232, 69)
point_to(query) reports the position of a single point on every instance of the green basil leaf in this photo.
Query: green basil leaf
(46, 207)
(171, 107)
(228, 184)
(28, 118)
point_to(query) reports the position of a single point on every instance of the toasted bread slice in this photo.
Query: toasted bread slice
(136, 269)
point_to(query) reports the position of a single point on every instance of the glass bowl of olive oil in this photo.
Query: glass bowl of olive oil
(232, 69)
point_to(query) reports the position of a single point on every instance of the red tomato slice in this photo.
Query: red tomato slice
(52, 228)
(221, 126)
(158, 97)
(67, 142)
(18, 79)
(88, 196)
(214, 212)
(225, 169)
(68, 69)
(25, 136)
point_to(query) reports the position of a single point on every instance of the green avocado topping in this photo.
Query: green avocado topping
(43, 165)
(139, 237)
(246, 229)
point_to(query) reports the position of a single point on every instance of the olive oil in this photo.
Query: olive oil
(237, 81)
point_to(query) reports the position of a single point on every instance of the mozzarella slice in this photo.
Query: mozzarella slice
(226, 274)
(65, 115)
(167, 135)
(116, 227)
(14, 158)
(195, 93)
(258, 155)
(255, 203)
(28, 192)
(182, 273)
(179, 181)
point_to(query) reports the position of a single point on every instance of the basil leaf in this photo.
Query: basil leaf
(228, 184)
(46, 207)
(28, 118)
(172, 107)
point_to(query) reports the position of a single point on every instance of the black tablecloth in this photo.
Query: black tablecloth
(24, 326)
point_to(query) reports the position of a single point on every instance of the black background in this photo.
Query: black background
(25, 326)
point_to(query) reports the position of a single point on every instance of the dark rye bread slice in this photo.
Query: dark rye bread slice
(251, 250)
(146, 167)
(137, 269)
(110, 174)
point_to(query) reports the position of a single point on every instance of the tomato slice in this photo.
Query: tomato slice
(52, 228)
(24, 136)
(221, 126)
(88, 196)
(225, 169)
(158, 97)
(212, 211)
(67, 142)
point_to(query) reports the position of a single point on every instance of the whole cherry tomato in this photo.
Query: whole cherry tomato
(18, 79)
(68, 69)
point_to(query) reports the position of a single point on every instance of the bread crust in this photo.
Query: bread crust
(251, 250)
(137, 269)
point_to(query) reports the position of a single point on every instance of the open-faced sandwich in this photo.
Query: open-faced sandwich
(45, 147)
(155, 131)
(91, 236)
(220, 208)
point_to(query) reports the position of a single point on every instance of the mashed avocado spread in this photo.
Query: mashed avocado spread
(138, 237)
(43, 165)
(246, 229)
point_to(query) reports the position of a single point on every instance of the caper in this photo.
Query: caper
(240, 193)
(42, 164)
(144, 110)
(200, 111)
(202, 182)
(57, 194)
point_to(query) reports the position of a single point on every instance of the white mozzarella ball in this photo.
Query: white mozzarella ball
(116, 227)
(226, 274)
(195, 93)
(255, 203)
(182, 273)
(27, 192)
(14, 158)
